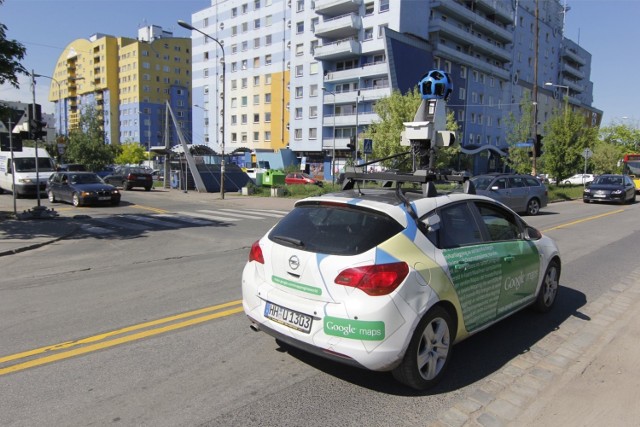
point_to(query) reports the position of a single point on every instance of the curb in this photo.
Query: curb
(520, 389)
(40, 244)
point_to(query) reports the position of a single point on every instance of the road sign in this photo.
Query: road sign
(367, 146)
(587, 153)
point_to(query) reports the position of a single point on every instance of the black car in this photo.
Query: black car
(129, 177)
(610, 188)
(80, 189)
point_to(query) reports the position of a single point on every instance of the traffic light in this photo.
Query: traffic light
(538, 144)
(352, 144)
(36, 124)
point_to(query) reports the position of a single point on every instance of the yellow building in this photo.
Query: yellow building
(128, 82)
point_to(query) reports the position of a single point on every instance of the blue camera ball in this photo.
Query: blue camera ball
(435, 84)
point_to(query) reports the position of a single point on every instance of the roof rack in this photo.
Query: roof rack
(427, 178)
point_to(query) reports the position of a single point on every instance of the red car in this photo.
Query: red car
(301, 178)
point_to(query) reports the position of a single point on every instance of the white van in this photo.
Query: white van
(24, 171)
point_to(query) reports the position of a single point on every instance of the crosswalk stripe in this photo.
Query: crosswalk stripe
(211, 217)
(187, 219)
(234, 215)
(154, 221)
(272, 214)
(117, 222)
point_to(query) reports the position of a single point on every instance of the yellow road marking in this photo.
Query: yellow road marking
(117, 341)
(591, 218)
(149, 208)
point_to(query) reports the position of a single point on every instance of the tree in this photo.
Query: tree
(131, 154)
(606, 157)
(86, 142)
(519, 158)
(11, 53)
(393, 111)
(567, 134)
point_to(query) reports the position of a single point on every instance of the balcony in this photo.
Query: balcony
(341, 49)
(466, 16)
(575, 86)
(461, 36)
(447, 52)
(340, 143)
(569, 54)
(499, 9)
(340, 27)
(568, 69)
(337, 7)
(368, 70)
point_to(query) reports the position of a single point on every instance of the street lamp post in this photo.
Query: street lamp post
(59, 100)
(566, 106)
(333, 154)
(224, 63)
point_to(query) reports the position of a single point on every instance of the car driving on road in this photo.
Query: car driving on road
(522, 193)
(129, 177)
(610, 188)
(389, 280)
(81, 189)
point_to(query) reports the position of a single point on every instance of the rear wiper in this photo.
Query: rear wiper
(297, 242)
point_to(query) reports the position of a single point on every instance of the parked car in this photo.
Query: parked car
(81, 189)
(579, 179)
(390, 281)
(301, 178)
(129, 177)
(522, 193)
(610, 188)
(74, 167)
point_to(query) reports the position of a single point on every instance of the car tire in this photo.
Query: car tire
(147, 188)
(52, 197)
(567, 183)
(429, 351)
(549, 289)
(75, 200)
(533, 207)
(125, 186)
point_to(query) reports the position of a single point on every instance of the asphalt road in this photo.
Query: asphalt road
(137, 322)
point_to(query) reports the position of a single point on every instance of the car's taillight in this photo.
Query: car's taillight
(131, 177)
(375, 280)
(256, 253)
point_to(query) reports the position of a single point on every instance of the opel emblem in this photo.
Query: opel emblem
(294, 262)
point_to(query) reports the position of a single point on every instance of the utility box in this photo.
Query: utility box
(272, 178)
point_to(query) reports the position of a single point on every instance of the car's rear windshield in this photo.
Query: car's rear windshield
(334, 230)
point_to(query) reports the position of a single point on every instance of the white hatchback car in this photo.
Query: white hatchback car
(390, 280)
(579, 179)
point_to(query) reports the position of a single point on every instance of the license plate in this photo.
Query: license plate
(293, 319)
(600, 195)
(104, 198)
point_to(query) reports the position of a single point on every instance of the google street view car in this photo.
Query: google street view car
(389, 279)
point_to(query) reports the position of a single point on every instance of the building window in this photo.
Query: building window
(234, 137)
(384, 5)
(256, 136)
(267, 60)
(299, 92)
(256, 43)
(462, 94)
(267, 79)
(234, 12)
(256, 80)
(298, 113)
(313, 111)
(313, 133)
(463, 72)
(234, 120)
(313, 90)
(256, 24)
(368, 9)
(267, 135)
(256, 99)
(381, 30)
(243, 119)
(243, 137)
(299, 49)
(256, 118)
(299, 70)
(243, 101)
(267, 117)
(368, 33)
(244, 82)
(300, 28)
(267, 40)
(267, 98)
(268, 20)
(297, 134)
(256, 62)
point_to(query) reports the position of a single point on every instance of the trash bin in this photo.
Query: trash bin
(259, 179)
(272, 178)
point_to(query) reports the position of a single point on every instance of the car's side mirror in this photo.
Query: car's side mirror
(531, 233)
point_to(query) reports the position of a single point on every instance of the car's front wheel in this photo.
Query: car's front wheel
(52, 197)
(549, 288)
(533, 207)
(429, 351)
(125, 185)
(75, 199)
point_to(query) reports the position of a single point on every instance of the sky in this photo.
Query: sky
(608, 29)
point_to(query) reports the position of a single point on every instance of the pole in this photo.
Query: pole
(222, 110)
(535, 91)
(33, 112)
(13, 172)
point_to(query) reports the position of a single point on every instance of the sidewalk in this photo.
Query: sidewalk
(585, 373)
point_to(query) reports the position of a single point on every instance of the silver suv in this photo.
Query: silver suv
(522, 193)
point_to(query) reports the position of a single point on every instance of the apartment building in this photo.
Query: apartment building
(339, 57)
(128, 81)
